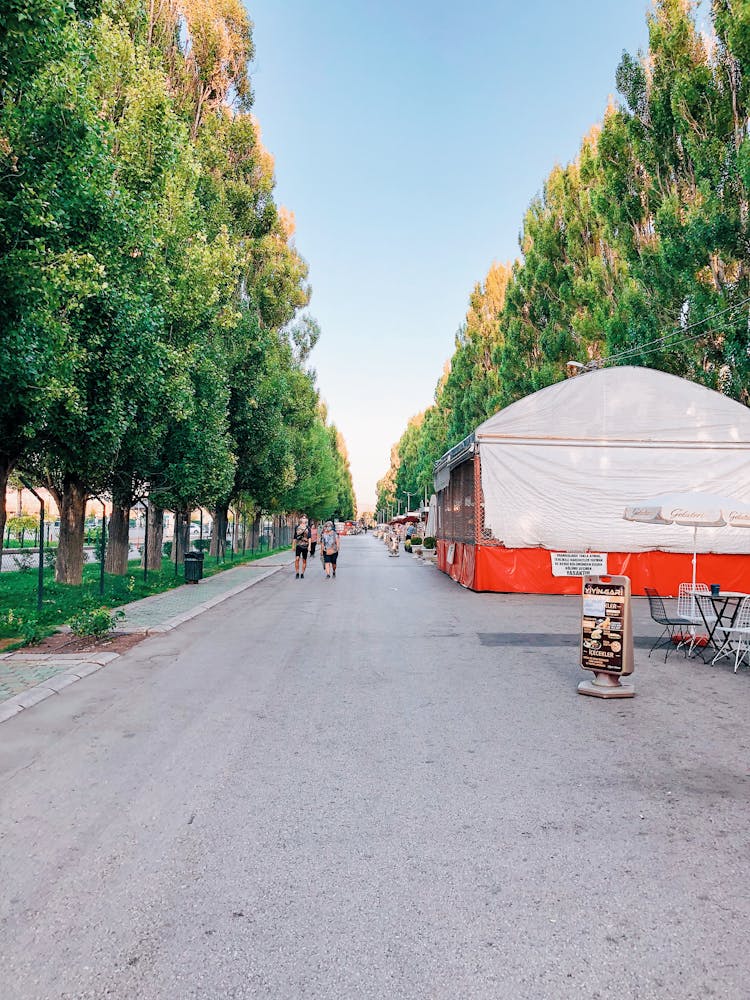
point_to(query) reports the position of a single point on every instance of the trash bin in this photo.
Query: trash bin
(193, 567)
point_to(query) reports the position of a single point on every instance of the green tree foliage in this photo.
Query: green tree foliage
(346, 507)
(674, 199)
(149, 283)
(472, 390)
(65, 317)
(638, 252)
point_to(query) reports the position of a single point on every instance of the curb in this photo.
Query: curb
(33, 695)
(89, 663)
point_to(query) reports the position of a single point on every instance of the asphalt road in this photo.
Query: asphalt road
(376, 787)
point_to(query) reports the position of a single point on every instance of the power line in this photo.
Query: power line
(652, 346)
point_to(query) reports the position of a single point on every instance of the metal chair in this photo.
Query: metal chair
(736, 636)
(694, 604)
(670, 623)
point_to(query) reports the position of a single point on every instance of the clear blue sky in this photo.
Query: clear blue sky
(409, 138)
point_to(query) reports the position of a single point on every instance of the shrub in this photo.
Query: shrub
(167, 549)
(96, 537)
(32, 632)
(202, 544)
(28, 628)
(49, 558)
(23, 562)
(416, 540)
(11, 622)
(429, 542)
(96, 622)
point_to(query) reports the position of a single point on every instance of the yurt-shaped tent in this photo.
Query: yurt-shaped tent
(555, 471)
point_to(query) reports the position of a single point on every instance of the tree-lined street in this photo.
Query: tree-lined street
(382, 786)
(225, 775)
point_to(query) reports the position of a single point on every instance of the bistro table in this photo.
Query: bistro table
(726, 604)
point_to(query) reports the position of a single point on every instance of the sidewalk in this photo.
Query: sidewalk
(27, 678)
(163, 612)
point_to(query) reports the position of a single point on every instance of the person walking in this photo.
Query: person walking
(301, 544)
(313, 538)
(330, 545)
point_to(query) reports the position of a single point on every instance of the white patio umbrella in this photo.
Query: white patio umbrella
(695, 510)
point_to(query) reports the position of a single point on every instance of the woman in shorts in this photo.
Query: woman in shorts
(329, 543)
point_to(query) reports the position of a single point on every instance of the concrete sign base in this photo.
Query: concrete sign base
(606, 686)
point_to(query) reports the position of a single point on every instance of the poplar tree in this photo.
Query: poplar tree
(635, 253)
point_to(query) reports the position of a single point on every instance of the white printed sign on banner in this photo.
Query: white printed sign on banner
(579, 563)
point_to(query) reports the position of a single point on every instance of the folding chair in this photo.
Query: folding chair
(670, 623)
(691, 600)
(736, 636)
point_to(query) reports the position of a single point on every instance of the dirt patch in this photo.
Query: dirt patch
(64, 642)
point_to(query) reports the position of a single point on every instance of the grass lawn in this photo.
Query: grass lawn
(18, 592)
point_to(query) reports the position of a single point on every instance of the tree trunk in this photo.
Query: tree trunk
(219, 531)
(152, 557)
(116, 558)
(71, 503)
(181, 536)
(5, 469)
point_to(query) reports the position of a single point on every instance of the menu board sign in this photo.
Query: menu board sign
(606, 629)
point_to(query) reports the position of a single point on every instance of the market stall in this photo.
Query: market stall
(553, 472)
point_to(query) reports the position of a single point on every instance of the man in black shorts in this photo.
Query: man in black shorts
(301, 543)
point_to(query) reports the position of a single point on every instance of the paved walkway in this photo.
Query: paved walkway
(28, 678)
(163, 612)
(381, 787)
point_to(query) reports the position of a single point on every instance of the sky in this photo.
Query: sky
(409, 138)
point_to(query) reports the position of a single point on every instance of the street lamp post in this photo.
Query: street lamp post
(145, 541)
(40, 576)
(104, 548)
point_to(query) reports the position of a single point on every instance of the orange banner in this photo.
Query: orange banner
(529, 571)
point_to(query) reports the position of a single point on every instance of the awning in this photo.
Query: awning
(458, 454)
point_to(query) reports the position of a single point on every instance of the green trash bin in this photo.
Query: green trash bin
(193, 567)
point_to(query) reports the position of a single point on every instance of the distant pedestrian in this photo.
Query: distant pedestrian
(393, 542)
(313, 538)
(301, 544)
(330, 544)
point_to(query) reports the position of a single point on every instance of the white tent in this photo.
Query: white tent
(559, 466)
